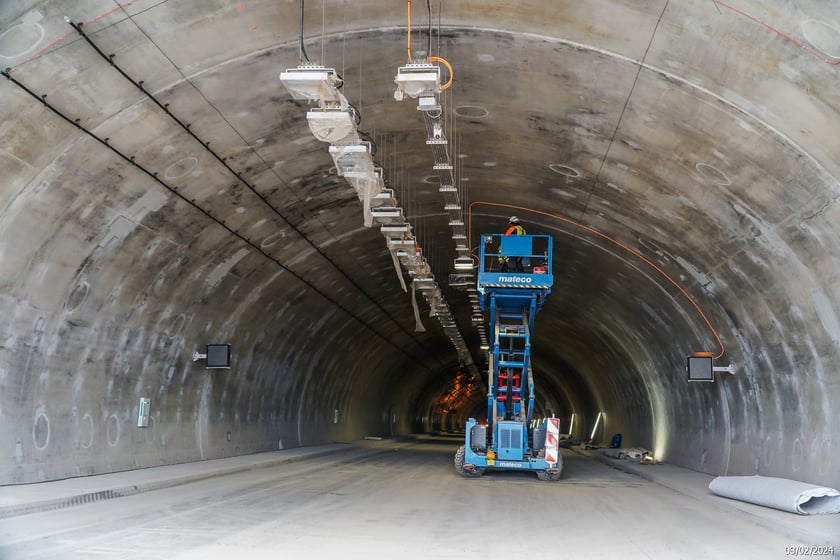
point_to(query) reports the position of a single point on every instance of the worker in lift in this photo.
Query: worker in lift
(513, 264)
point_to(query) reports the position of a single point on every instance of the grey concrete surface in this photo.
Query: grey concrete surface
(403, 499)
(699, 134)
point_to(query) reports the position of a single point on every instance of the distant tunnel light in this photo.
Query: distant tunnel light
(312, 83)
(595, 428)
(417, 80)
(463, 263)
(331, 125)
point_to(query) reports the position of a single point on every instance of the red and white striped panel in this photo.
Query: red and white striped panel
(552, 440)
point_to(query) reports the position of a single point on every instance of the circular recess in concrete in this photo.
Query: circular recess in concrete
(77, 296)
(177, 325)
(768, 451)
(462, 156)
(486, 57)
(86, 431)
(41, 431)
(112, 430)
(180, 167)
(564, 170)
(20, 39)
(823, 36)
(432, 179)
(471, 112)
(272, 239)
(151, 431)
(796, 455)
(489, 164)
(713, 174)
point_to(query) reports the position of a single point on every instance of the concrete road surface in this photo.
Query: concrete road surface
(396, 500)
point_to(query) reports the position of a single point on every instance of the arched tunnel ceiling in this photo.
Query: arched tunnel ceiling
(693, 134)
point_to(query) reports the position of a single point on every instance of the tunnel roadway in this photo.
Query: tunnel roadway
(401, 499)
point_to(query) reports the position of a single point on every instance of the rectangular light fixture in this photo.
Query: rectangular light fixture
(331, 125)
(312, 83)
(353, 160)
(463, 263)
(417, 80)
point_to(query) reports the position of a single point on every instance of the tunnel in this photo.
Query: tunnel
(162, 192)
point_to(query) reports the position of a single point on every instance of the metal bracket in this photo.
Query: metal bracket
(198, 356)
(730, 369)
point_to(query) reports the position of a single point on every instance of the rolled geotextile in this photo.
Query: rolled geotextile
(780, 493)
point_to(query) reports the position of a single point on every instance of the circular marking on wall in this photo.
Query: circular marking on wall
(432, 179)
(151, 431)
(768, 454)
(86, 431)
(20, 39)
(796, 455)
(824, 457)
(272, 239)
(180, 167)
(77, 296)
(240, 210)
(489, 164)
(41, 431)
(486, 57)
(713, 174)
(564, 170)
(823, 36)
(471, 112)
(112, 429)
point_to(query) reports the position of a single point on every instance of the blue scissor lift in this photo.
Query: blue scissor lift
(514, 280)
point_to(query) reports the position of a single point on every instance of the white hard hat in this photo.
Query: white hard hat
(513, 220)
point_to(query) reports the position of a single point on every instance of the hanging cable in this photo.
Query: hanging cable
(429, 56)
(617, 243)
(408, 47)
(448, 67)
(301, 49)
(429, 7)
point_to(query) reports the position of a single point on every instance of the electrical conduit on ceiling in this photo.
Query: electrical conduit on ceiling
(622, 246)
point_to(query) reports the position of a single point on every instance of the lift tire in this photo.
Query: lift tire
(549, 477)
(459, 465)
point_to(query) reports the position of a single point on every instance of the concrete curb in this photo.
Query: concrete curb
(124, 491)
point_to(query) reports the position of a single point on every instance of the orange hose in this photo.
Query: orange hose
(408, 48)
(619, 244)
(448, 67)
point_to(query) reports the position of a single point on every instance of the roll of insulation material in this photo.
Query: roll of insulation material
(780, 493)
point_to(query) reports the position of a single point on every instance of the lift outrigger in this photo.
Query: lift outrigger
(513, 285)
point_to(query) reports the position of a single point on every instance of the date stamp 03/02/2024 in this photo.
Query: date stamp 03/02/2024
(806, 550)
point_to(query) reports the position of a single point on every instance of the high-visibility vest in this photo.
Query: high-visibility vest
(515, 229)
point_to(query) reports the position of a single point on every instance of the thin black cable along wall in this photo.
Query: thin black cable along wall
(173, 190)
(187, 127)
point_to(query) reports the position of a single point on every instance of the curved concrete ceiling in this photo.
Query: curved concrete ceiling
(694, 139)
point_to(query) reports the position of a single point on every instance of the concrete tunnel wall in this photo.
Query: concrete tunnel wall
(687, 131)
